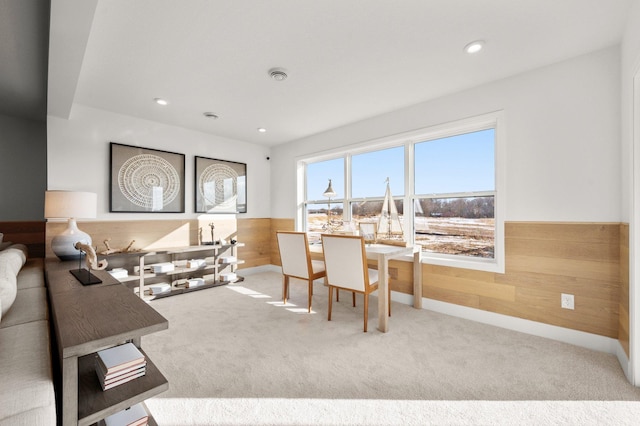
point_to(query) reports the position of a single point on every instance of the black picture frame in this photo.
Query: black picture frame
(145, 180)
(220, 186)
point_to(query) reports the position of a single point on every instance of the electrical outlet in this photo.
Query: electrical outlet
(566, 301)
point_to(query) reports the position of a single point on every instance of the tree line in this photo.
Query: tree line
(470, 208)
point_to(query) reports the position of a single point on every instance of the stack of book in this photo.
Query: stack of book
(120, 364)
(132, 416)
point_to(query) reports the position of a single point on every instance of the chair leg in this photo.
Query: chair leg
(330, 302)
(310, 293)
(337, 295)
(285, 288)
(353, 293)
(366, 310)
(389, 299)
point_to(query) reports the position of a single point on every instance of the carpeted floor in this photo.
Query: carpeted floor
(236, 355)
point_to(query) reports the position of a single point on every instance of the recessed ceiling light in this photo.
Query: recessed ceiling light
(211, 115)
(161, 101)
(474, 46)
(262, 129)
(278, 74)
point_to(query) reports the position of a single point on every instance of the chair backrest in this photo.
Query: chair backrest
(294, 253)
(345, 261)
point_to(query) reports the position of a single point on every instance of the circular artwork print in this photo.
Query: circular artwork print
(218, 184)
(139, 175)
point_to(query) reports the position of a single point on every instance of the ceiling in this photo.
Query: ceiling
(346, 60)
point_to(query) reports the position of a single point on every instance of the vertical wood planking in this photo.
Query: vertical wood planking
(544, 260)
(150, 234)
(623, 318)
(279, 225)
(254, 233)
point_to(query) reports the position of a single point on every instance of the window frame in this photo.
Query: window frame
(493, 120)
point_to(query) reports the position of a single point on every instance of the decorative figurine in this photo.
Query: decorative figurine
(90, 257)
(212, 226)
(110, 250)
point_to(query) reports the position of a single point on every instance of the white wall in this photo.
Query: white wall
(563, 139)
(78, 157)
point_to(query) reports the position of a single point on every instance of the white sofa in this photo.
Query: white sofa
(26, 380)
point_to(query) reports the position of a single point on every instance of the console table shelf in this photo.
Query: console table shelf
(139, 276)
(97, 404)
(180, 290)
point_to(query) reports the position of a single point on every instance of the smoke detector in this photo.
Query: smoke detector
(278, 74)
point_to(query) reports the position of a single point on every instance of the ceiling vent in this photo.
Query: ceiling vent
(278, 74)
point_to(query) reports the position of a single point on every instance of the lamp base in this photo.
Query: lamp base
(85, 276)
(63, 244)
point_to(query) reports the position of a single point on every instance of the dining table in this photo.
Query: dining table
(383, 253)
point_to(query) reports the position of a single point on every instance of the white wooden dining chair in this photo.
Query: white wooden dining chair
(345, 262)
(296, 262)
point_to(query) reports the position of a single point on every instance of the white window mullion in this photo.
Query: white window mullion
(347, 189)
(409, 192)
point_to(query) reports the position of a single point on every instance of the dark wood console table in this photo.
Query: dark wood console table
(88, 319)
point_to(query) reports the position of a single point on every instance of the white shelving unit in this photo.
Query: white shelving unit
(140, 275)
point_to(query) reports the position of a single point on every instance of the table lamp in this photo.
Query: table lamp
(329, 193)
(69, 205)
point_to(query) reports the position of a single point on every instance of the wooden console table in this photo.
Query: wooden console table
(88, 319)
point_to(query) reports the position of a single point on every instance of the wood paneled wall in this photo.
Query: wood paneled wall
(149, 234)
(255, 234)
(623, 317)
(29, 233)
(543, 260)
(278, 225)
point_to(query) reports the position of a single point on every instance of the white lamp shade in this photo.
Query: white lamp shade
(70, 204)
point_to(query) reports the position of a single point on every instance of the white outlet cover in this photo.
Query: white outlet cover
(567, 301)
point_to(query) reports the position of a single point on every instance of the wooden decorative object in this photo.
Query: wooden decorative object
(127, 249)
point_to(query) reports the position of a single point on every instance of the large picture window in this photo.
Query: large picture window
(455, 193)
(323, 213)
(445, 183)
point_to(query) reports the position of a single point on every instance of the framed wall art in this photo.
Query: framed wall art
(145, 180)
(220, 186)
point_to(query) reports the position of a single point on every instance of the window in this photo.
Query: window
(455, 187)
(322, 213)
(370, 170)
(445, 182)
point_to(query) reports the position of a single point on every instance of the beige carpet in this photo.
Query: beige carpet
(235, 355)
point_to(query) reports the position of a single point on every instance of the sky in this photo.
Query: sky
(462, 163)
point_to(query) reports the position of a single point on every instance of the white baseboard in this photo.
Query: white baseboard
(566, 335)
(624, 362)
